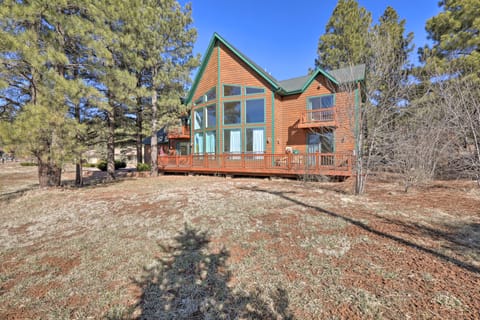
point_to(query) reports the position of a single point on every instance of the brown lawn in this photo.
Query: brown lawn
(179, 247)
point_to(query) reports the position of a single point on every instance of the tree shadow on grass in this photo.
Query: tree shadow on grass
(462, 239)
(190, 282)
(462, 264)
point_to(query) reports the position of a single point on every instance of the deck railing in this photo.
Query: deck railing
(315, 163)
(318, 115)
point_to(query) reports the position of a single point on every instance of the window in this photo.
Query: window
(326, 142)
(200, 100)
(255, 111)
(232, 113)
(198, 119)
(321, 102)
(316, 106)
(211, 94)
(230, 90)
(211, 117)
(210, 142)
(255, 140)
(198, 143)
(253, 90)
(232, 140)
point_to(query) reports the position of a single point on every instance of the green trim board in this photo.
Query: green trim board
(272, 139)
(219, 108)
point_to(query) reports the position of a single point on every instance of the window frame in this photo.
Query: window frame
(334, 102)
(256, 93)
(231, 85)
(241, 113)
(264, 111)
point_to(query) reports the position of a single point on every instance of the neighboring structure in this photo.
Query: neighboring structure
(247, 122)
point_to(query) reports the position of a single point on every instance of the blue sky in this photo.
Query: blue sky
(282, 36)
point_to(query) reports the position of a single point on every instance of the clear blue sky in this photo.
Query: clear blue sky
(282, 36)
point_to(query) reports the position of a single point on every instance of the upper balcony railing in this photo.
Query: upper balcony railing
(182, 132)
(325, 117)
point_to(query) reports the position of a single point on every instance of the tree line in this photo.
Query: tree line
(78, 73)
(418, 121)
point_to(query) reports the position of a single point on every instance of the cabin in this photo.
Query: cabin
(243, 121)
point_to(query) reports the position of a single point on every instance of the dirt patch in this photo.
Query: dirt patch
(62, 265)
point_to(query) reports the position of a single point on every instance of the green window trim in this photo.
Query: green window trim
(241, 113)
(204, 98)
(334, 103)
(201, 111)
(254, 88)
(229, 144)
(245, 142)
(264, 111)
(240, 89)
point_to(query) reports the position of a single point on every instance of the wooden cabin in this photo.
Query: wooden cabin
(244, 121)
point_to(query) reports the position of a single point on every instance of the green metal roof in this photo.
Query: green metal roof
(285, 87)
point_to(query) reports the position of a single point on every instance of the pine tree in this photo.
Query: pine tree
(36, 89)
(345, 41)
(455, 36)
(165, 59)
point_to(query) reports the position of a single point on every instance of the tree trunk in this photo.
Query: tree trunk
(78, 165)
(78, 173)
(111, 145)
(139, 136)
(49, 174)
(153, 142)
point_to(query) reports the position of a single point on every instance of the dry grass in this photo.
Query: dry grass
(179, 247)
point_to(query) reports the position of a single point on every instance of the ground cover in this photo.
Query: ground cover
(210, 248)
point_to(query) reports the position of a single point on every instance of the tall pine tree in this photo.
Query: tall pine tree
(345, 41)
(455, 33)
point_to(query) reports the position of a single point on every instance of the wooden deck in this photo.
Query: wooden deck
(329, 164)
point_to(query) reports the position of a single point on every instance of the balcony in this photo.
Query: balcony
(182, 132)
(325, 117)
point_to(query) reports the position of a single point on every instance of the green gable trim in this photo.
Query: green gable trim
(200, 72)
(218, 39)
(293, 86)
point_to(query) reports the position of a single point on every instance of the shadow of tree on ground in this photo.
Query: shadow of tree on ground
(398, 239)
(189, 282)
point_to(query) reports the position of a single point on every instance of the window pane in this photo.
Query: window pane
(232, 112)
(231, 90)
(251, 90)
(210, 142)
(200, 100)
(320, 102)
(232, 140)
(255, 111)
(327, 101)
(255, 140)
(211, 116)
(326, 142)
(198, 119)
(199, 143)
(211, 94)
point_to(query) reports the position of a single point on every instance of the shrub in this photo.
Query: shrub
(102, 165)
(143, 167)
